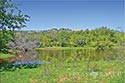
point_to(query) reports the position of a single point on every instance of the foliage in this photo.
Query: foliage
(24, 42)
(24, 46)
(11, 18)
(99, 38)
(4, 39)
(7, 66)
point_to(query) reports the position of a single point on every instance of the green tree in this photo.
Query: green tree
(11, 18)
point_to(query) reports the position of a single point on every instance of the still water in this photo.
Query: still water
(80, 54)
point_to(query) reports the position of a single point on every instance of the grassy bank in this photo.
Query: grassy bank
(73, 48)
(71, 66)
(102, 72)
(64, 48)
(3, 55)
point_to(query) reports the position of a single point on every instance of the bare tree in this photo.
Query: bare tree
(24, 47)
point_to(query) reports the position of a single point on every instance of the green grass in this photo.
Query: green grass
(69, 69)
(3, 55)
(103, 72)
(73, 48)
(62, 48)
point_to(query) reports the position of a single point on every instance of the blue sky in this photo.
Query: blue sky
(73, 14)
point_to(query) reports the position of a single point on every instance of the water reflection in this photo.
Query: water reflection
(71, 55)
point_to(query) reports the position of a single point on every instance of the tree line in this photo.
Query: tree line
(11, 18)
(102, 37)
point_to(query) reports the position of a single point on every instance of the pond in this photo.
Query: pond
(80, 54)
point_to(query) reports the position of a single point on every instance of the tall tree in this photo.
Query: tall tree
(11, 18)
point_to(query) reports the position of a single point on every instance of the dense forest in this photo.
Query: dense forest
(102, 37)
